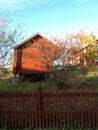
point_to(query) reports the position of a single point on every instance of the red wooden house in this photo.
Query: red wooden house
(80, 57)
(31, 55)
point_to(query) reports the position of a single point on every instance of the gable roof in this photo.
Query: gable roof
(31, 37)
(80, 49)
(85, 46)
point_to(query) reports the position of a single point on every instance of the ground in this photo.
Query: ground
(75, 80)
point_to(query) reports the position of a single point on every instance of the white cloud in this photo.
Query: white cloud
(21, 4)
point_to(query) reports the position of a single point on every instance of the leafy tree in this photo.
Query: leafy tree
(90, 43)
(9, 36)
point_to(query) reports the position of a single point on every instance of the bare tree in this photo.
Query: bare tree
(58, 59)
(9, 36)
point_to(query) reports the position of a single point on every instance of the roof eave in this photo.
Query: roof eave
(27, 39)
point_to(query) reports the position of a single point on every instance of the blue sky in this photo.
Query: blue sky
(52, 17)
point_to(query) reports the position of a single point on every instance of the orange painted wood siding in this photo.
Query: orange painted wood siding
(29, 58)
(32, 60)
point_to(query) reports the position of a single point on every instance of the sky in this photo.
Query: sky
(52, 17)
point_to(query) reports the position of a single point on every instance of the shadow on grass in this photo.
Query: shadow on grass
(80, 81)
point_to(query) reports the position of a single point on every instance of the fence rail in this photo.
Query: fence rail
(49, 109)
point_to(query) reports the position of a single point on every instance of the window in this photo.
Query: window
(84, 61)
(84, 50)
(97, 46)
(78, 60)
(36, 46)
(96, 59)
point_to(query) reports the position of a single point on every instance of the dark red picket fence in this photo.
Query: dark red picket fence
(49, 109)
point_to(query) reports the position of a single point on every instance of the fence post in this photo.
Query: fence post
(40, 107)
(97, 117)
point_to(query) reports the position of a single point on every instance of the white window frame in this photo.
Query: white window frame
(84, 61)
(78, 60)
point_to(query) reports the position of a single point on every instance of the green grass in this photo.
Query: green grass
(75, 80)
(6, 84)
(84, 81)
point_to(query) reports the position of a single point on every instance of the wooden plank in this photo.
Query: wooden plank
(1, 110)
(93, 109)
(8, 109)
(49, 108)
(25, 109)
(84, 109)
(21, 107)
(63, 110)
(60, 118)
(33, 113)
(96, 113)
(39, 107)
(46, 108)
(89, 111)
(82, 113)
(57, 109)
(28, 110)
(15, 109)
(71, 110)
(97, 116)
(43, 110)
(35, 104)
(12, 115)
(67, 110)
(19, 110)
(52, 110)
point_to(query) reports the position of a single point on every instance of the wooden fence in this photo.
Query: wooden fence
(48, 109)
